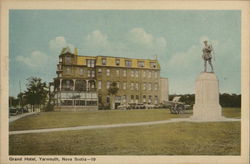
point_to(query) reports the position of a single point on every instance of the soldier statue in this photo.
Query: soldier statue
(207, 56)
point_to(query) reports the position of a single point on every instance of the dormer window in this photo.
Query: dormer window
(90, 63)
(128, 63)
(104, 61)
(117, 62)
(140, 63)
(153, 65)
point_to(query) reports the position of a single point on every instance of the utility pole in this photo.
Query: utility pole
(21, 96)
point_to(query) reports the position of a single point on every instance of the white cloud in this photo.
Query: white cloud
(191, 59)
(56, 44)
(97, 39)
(161, 42)
(141, 37)
(35, 59)
(186, 61)
(135, 43)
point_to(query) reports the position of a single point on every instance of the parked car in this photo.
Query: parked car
(123, 107)
(13, 111)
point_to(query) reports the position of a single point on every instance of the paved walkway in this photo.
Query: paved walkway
(14, 118)
(116, 125)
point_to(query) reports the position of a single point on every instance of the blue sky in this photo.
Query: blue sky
(175, 36)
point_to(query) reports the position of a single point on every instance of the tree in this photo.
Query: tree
(21, 99)
(37, 92)
(230, 100)
(13, 102)
(113, 89)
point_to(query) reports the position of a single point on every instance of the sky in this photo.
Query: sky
(176, 37)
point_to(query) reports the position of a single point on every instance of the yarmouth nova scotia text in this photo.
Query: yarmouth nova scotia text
(52, 159)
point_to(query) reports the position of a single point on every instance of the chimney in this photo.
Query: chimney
(76, 51)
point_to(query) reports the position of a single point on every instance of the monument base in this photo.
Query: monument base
(207, 105)
(207, 113)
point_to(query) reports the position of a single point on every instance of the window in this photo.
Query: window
(132, 98)
(89, 73)
(156, 74)
(90, 63)
(124, 73)
(92, 73)
(144, 86)
(92, 85)
(118, 84)
(60, 59)
(68, 70)
(117, 98)
(124, 99)
(136, 73)
(117, 62)
(108, 85)
(81, 71)
(117, 72)
(124, 86)
(149, 74)
(99, 70)
(152, 64)
(156, 99)
(156, 86)
(132, 86)
(144, 98)
(136, 86)
(149, 86)
(68, 60)
(132, 73)
(128, 63)
(140, 63)
(108, 99)
(104, 61)
(144, 73)
(108, 72)
(150, 99)
(99, 84)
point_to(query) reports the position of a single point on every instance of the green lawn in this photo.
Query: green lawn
(183, 138)
(70, 119)
(101, 117)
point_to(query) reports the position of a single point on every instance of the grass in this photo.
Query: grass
(220, 138)
(232, 112)
(71, 119)
(182, 138)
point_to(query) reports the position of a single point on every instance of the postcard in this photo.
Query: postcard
(125, 82)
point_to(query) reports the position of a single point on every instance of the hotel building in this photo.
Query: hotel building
(82, 82)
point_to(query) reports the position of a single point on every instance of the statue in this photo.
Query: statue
(207, 56)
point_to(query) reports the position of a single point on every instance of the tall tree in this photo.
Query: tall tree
(13, 102)
(113, 89)
(37, 92)
(21, 99)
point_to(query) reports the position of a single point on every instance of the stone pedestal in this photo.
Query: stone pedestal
(207, 105)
